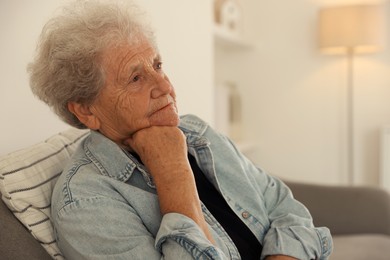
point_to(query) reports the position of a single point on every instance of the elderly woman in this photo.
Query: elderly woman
(146, 183)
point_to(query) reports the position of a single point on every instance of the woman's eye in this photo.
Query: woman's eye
(159, 66)
(135, 78)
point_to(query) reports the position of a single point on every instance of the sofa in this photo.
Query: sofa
(358, 217)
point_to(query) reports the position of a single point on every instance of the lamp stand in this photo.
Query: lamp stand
(350, 115)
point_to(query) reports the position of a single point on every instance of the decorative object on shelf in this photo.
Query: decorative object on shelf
(228, 14)
(222, 108)
(351, 30)
(235, 115)
(228, 107)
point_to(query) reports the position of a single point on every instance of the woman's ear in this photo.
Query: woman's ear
(84, 114)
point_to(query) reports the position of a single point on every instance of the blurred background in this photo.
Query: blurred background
(253, 69)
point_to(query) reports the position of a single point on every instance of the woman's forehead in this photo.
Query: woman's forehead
(122, 54)
(122, 60)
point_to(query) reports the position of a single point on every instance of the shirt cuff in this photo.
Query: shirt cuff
(298, 242)
(185, 232)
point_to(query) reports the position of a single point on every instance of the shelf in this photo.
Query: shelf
(227, 44)
(229, 40)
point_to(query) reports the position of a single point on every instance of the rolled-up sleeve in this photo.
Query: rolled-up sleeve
(178, 232)
(299, 242)
(291, 226)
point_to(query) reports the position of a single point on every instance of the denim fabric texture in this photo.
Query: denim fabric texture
(105, 206)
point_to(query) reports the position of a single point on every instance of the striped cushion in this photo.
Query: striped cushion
(27, 178)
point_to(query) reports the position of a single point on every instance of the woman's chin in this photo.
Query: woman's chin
(165, 121)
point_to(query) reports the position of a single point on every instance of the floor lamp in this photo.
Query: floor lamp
(350, 30)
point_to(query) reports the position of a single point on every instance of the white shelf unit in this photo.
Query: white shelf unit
(227, 44)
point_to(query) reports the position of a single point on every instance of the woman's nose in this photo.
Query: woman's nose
(161, 86)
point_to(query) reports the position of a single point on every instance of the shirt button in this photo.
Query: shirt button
(326, 244)
(245, 214)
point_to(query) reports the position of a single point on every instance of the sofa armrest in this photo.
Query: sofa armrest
(15, 241)
(346, 210)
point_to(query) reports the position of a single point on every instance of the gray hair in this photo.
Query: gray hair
(67, 65)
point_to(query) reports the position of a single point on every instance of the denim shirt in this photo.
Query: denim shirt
(105, 206)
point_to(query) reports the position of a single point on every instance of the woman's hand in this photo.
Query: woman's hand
(163, 150)
(160, 147)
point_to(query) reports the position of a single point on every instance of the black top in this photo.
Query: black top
(245, 241)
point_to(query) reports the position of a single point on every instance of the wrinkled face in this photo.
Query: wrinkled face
(137, 94)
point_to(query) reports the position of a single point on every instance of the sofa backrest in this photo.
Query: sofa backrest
(16, 242)
(27, 177)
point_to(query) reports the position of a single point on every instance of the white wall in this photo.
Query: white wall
(24, 120)
(184, 37)
(295, 97)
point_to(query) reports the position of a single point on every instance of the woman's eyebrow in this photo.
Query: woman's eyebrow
(157, 58)
(128, 69)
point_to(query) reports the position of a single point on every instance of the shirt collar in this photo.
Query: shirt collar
(113, 161)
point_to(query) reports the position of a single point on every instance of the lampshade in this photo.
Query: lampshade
(360, 28)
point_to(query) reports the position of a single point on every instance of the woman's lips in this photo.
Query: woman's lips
(164, 107)
(170, 104)
(168, 109)
(166, 115)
